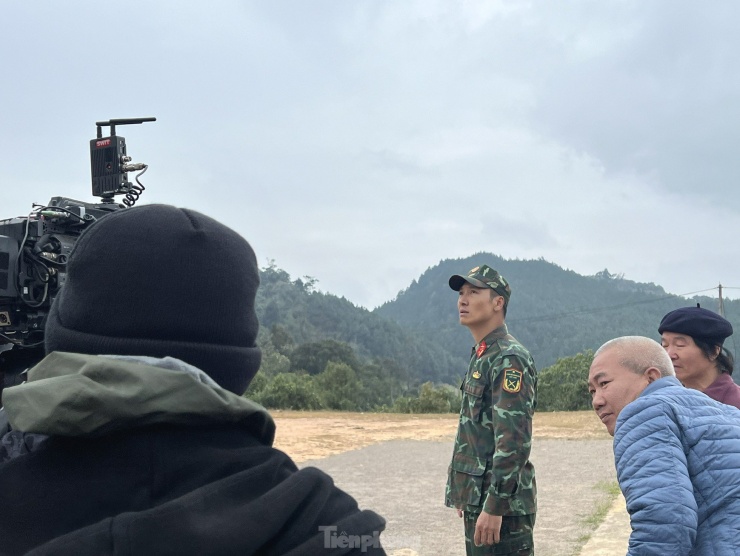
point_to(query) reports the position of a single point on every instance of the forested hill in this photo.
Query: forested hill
(308, 316)
(554, 312)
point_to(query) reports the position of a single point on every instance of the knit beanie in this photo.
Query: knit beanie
(161, 281)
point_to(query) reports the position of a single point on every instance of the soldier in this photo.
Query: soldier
(491, 480)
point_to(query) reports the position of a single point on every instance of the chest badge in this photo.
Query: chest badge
(512, 380)
(481, 349)
(476, 374)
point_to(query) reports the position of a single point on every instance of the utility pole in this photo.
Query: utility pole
(721, 303)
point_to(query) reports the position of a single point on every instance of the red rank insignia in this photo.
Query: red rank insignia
(481, 349)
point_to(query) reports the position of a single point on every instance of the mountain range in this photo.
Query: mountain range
(553, 311)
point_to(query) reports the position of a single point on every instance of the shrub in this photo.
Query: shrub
(564, 385)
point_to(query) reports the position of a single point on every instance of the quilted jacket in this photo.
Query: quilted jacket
(677, 454)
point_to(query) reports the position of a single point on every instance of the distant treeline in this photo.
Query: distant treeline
(410, 354)
(329, 375)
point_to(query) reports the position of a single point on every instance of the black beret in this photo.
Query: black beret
(697, 323)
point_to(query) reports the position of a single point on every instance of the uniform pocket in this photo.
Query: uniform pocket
(466, 479)
(472, 399)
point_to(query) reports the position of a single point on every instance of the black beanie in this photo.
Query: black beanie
(161, 281)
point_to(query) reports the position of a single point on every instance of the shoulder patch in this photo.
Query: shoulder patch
(512, 380)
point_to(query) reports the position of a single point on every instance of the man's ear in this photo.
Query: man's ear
(652, 374)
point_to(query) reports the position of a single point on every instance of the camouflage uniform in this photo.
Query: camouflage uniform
(490, 469)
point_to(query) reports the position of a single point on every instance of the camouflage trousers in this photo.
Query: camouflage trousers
(516, 536)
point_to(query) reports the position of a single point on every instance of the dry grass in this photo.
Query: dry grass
(307, 435)
(581, 425)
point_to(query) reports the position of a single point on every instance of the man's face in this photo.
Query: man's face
(475, 305)
(612, 387)
(689, 361)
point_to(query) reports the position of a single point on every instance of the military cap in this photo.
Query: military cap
(697, 323)
(483, 276)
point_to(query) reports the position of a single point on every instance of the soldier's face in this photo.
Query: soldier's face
(475, 305)
(612, 387)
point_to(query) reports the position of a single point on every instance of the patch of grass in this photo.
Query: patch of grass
(610, 490)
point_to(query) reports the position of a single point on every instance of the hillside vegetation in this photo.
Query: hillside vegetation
(323, 352)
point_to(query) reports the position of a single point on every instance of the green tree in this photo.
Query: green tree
(281, 339)
(290, 391)
(431, 398)
(313, 357)
(274, 363)
(259, 382)
(339, 388)
(564, 385)
(383, 381)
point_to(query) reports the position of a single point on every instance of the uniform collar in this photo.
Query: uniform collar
(490, 339)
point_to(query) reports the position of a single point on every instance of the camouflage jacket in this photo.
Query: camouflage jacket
(490, 468)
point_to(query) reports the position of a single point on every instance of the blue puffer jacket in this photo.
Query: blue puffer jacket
(678, 463)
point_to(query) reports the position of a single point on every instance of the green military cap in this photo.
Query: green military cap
(483, 276)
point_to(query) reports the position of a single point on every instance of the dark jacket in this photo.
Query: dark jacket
(144, 460)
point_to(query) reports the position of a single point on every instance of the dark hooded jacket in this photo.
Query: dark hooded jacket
(146, 458)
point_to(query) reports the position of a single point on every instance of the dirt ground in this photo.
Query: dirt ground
(571, 452)
(309, 435)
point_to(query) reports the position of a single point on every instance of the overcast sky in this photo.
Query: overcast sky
(361, 142)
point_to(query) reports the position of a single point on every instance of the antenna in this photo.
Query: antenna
(109, 163)
(121, 121)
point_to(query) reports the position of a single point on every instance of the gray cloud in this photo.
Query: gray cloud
(389, 135)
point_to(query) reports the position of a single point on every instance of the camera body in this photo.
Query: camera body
(34, 249)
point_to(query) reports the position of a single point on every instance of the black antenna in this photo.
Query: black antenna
(121, 121)
(110, 163)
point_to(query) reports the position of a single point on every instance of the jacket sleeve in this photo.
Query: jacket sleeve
(653, 474)
(512, 407)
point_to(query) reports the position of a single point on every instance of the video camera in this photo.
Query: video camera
(34, 248)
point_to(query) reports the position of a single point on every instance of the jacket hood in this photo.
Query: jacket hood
(72, 394)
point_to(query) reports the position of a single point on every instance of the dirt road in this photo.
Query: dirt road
(397, 464)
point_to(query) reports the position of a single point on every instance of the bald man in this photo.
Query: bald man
(677, 451)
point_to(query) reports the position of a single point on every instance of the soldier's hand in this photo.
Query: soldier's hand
(487, 529)
(459, 512)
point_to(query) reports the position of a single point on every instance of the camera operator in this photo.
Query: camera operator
(150, 447)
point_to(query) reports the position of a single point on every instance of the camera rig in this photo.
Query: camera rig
(34, 248)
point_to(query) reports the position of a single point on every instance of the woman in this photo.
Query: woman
(693, 338)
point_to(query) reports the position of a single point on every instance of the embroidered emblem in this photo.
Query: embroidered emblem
(476, 374)
(481, 349)
(512, 380)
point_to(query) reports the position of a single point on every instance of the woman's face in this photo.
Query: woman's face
(692, 366)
